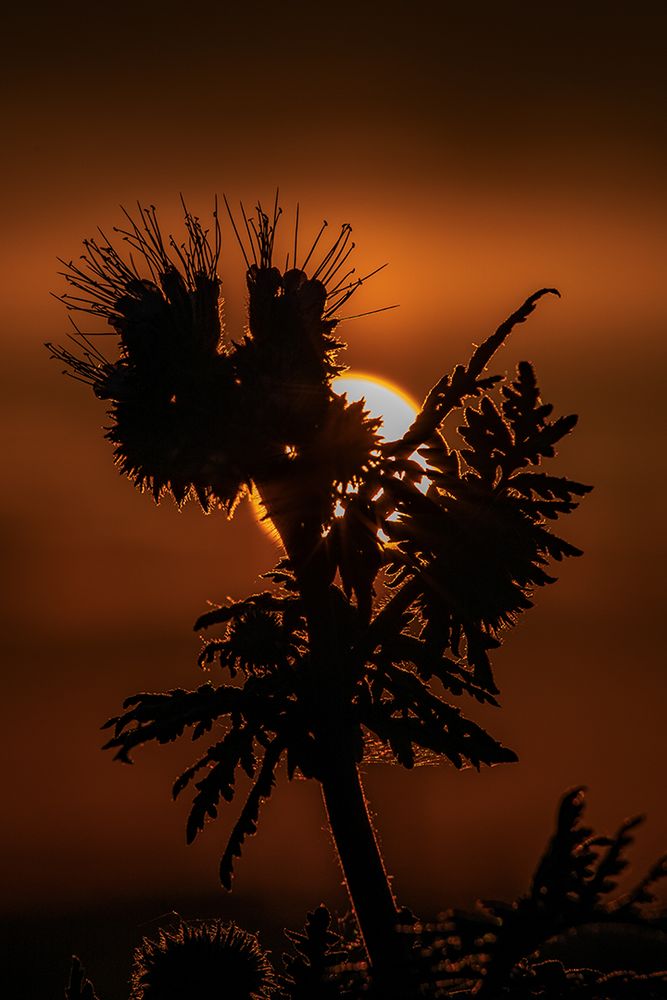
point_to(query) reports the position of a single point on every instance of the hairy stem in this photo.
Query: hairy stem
(349, 820)
(363, 868)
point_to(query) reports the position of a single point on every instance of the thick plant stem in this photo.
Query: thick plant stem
(363, 868)
(347, 810)
(350, 823)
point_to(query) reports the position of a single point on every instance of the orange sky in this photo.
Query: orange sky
(483, 154)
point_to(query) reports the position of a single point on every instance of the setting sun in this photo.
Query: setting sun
(383, 399)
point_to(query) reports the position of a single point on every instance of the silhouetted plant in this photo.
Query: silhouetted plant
(552, 981)
(324, 965)
(206, 960)
(342, 652)
(80, 987)
(492, 951)
(499, 950)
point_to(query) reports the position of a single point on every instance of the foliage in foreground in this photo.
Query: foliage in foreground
(504, 949)
(573, 886)
(500, 950)
(200, 960)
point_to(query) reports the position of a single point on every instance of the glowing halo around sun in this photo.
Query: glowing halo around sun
(382, 399)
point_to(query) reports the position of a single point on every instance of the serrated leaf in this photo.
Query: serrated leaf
(246, 824)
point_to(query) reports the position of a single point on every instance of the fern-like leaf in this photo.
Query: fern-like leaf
(246, 824)
(164, 717)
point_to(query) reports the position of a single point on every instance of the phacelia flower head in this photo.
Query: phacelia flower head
(195, 413)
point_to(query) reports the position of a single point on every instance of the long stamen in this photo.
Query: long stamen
(336, 287)
(350, 289)
(277, 212)
(343, 298)
(296, 234)
(343, 235)
(236, 232)
(91, 350)
(218, 231)
(312, 249)
(264, 234)
(147, 240)
(336, 266)
(248, 230)
(370, 312)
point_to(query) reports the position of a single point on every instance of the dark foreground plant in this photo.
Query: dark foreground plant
(323, 964)
(80, 987)
(572, 935)
(524, 949)
(377, 618)
(207, 960)
(500, 949)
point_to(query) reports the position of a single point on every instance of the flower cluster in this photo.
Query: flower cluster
(196, 414)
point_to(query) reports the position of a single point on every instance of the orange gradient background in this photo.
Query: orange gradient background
(484, 154)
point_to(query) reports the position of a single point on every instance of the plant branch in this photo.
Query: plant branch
(451, 390)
